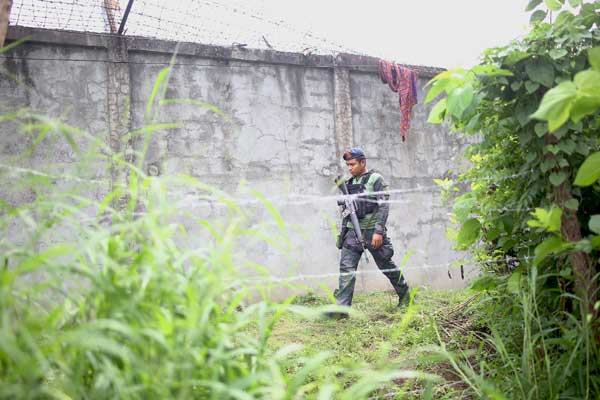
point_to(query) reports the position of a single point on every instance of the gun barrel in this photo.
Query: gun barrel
(350, 205)
(356, 226)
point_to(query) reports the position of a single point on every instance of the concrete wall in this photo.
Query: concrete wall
(288, 118)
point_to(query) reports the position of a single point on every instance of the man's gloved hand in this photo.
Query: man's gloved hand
(377, 240)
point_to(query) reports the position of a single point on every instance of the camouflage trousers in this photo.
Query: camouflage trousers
(351, 253)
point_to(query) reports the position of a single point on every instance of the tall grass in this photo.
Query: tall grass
(532, 351)
(105, 299)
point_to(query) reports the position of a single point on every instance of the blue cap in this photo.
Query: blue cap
(354, 153)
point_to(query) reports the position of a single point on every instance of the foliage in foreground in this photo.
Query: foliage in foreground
(380, 334)
(110, 297)
(532, 213)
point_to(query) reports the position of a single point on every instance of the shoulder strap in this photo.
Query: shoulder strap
(374, 177)
(365, 178)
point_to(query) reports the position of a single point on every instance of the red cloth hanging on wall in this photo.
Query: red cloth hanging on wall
(403, 81)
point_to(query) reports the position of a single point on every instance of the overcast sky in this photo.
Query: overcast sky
(428, 32)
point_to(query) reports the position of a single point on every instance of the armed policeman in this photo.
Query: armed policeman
(367, 189)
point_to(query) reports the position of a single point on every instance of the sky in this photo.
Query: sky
(442, 33)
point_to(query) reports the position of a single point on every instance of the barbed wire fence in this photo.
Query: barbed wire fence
(199, 21)
(185, 200)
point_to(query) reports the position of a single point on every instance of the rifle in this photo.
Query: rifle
(349, 212)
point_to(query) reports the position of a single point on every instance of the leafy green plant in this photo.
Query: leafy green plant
(574, 100)
(533, 108)
(529, 353)
(520, 163)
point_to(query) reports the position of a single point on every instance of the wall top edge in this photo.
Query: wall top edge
(353, 62)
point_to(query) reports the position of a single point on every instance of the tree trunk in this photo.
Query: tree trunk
(583, 267)
(5, 6)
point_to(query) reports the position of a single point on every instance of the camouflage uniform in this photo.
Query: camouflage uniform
(352, 250)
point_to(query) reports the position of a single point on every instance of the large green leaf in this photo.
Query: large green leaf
(490, 70)
(524, 111)
(594, 224)
(547, 165)
(594, 57)
(533, 4)
(515, 57)
(516, 85)
(436, 116)
(484, 282)
(564, 18)
(547, 220)
(508, 223)
(514, 282)
(549, 246)
(567, 146)
(557, 178)
(583, 106)
(572, 204)
(463, 207)
(589, 172)
(531, 86)
(541, 129)
(469, 233)
(558, 53)
(538, 15)
(574, 3)
(460, 99)
(437, 88)
(556, 105)
(493, 234)
(588, 82)
(554, 5)
(541, 72)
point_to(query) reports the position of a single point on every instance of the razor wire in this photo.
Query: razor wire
(218, 201)
(293, 199)
(402, 270)
(76, 15)
(190, 20)
(299, 277)
(152, 19)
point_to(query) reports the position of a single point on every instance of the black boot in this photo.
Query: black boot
(401, 289)
(336, 315)
(404, 300)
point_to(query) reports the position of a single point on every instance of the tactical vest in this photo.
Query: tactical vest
(365, 205)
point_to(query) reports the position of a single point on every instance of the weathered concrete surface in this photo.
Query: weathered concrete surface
(53, 93)
(74, 92)
(342, 95)
(119, 115)
(417, 222)
(286, 118)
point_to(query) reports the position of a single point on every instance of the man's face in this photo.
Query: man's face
(356, 167)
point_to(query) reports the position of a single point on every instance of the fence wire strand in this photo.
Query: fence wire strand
(201, 21)
(291, 199)
(303, 200)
